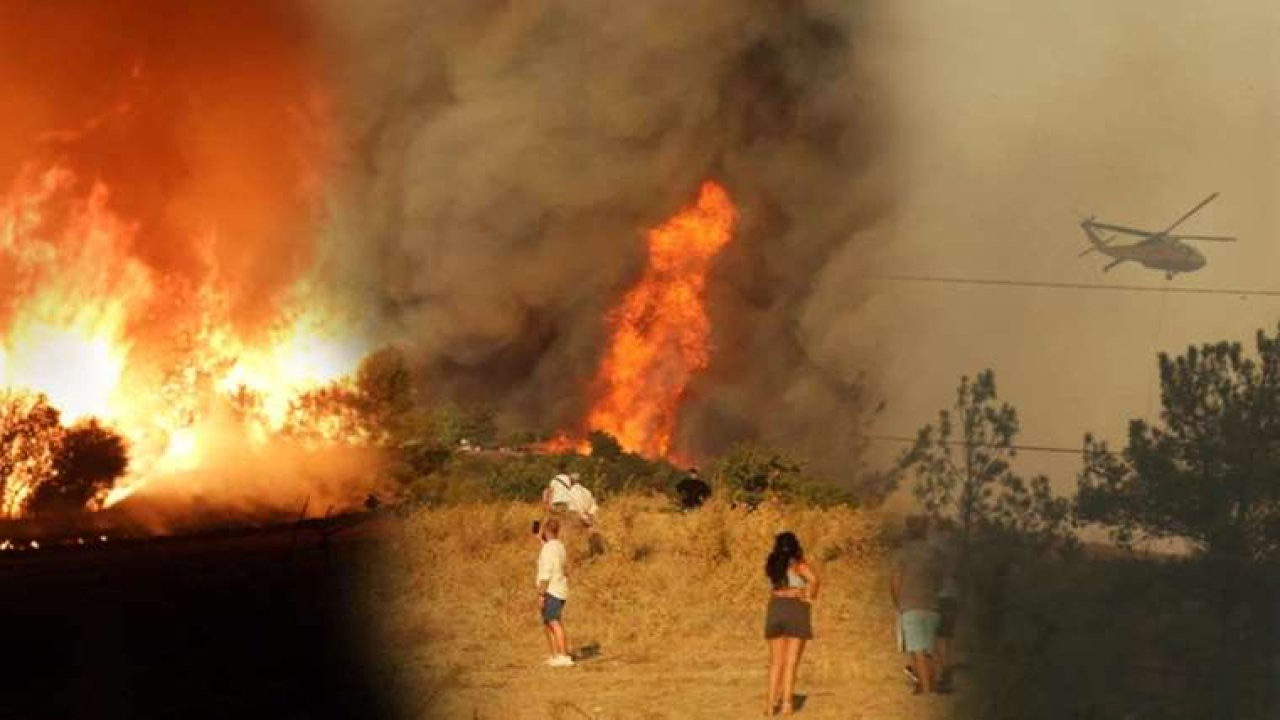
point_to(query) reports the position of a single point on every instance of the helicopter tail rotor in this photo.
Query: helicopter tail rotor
(1097, 242)
(1084, 221)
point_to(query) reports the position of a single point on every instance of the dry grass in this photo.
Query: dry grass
(676, 606)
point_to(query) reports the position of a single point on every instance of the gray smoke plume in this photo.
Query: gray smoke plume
(506, 157)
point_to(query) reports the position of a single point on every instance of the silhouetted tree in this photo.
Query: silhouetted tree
(1208, 472)
(87, 462)
(604, 445)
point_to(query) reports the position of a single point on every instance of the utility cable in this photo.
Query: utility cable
(1071, 286)
(1027, 448)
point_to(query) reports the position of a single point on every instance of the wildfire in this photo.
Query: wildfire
(660, 335)
(75, 292)
(162, 255)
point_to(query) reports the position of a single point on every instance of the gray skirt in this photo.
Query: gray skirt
(787, 617)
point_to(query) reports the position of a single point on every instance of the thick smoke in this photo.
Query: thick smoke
(1015, 122)
(508, 155)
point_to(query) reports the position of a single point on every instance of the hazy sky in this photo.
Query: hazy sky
(1012, 116)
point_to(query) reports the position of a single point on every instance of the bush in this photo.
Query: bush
(87, 461)
(434, 473)
(749, 473)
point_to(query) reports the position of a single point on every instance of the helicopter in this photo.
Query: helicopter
(1158, 250)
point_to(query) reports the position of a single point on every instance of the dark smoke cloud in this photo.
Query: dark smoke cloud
(507, 156)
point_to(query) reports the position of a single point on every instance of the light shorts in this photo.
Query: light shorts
(919, 630)
(551, 609)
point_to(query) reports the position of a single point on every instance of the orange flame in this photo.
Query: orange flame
(76, 291)
(661, 331)
(161, 241)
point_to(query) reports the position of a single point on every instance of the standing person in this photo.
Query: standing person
(944, 541)
(553, 592)
(692, 491)
(914, 585)
(787, 625)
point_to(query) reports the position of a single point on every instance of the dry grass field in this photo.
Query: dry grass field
(675, 607)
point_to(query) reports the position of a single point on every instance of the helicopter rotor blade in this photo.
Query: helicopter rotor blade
(1190, 212)
(1204, 238)
(1121, 229)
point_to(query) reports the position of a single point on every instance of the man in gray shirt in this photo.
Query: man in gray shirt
(944, 538)
(915, 582)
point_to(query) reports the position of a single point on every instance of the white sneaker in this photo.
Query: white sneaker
(561, 661)
(551, 660)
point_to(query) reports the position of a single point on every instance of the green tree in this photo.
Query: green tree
(963, 472)
(1206, 474)
(384, 393)
(750, 472)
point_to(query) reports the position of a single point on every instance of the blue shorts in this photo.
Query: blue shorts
(919, 630)
(551, 608)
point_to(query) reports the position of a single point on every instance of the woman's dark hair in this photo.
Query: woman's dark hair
(786, 550)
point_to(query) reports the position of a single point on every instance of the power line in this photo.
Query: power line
(1069, 286)
(1021, 448)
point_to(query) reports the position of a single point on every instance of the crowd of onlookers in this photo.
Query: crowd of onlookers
(923, 587)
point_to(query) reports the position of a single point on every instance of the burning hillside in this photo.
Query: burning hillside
(159, 223)
(512, 152)
(201, 213)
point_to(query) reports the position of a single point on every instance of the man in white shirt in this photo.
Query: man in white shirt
(556, 498)
(581, 502)
(553, 591)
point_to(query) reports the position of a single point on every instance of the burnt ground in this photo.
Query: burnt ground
(238, 624)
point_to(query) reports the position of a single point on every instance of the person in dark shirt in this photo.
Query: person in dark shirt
(693, 491)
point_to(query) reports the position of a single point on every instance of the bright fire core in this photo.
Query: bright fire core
(77, 293)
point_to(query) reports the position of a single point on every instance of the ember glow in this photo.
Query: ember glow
(660, 336)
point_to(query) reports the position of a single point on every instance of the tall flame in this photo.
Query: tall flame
(67, 337)
(661, 331)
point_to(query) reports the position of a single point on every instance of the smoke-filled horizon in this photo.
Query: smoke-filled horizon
(506, 158)
(1016, 118)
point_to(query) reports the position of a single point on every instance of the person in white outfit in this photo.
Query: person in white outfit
(558, 494)
(553, 592)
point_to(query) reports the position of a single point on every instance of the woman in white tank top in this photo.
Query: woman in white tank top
(787, 624)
